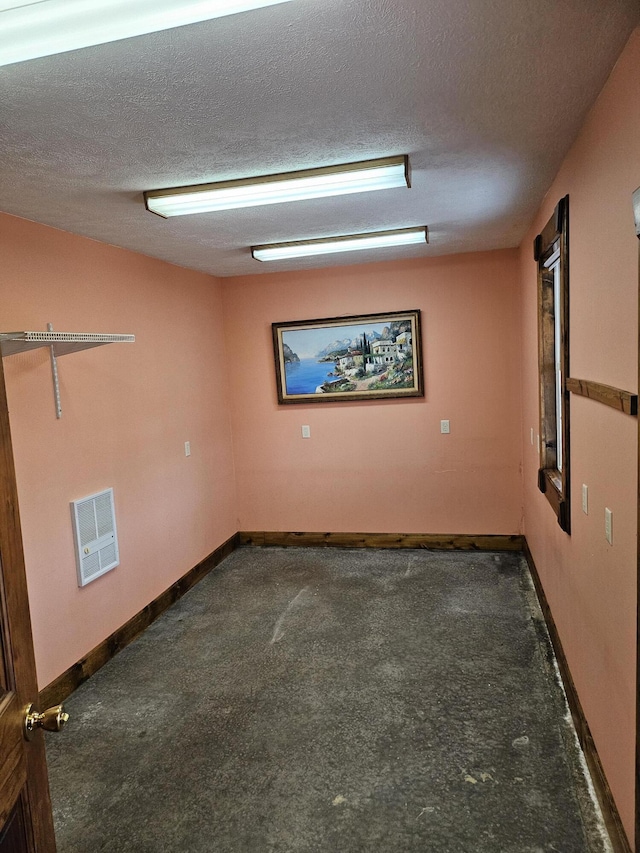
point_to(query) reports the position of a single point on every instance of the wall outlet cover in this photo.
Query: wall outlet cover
(608, 525)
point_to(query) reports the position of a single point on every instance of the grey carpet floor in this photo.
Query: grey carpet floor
(330, 700)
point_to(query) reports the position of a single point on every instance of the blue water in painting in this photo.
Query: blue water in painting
(304, 376)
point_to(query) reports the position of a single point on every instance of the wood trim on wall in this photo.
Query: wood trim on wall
(624, 401)
(63, 686)
(608, 807)
(553, 297)
(453, 542)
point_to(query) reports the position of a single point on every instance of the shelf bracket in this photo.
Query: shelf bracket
(54, 373)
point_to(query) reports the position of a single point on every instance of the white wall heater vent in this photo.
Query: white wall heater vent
(96, 538)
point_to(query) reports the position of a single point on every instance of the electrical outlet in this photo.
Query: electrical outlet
(608, 525)
(187, 448)
(444, 427)
(306, 431)
(585, 499)
(532, 436)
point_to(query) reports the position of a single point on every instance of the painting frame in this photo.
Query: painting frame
(374, 357)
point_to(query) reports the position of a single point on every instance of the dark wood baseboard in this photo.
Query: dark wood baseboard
(608, 807)
(462, 542)
(64, 685)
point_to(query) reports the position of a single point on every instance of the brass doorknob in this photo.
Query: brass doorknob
(51, 720)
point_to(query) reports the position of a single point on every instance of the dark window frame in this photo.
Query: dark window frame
(553, 478)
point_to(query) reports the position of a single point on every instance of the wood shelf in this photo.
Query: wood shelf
(624, 401)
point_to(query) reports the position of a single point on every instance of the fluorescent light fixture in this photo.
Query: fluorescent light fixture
(348, 243)
(33, 28)
(347, 178)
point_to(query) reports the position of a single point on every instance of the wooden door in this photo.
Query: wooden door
(636, 214)
(26, 824)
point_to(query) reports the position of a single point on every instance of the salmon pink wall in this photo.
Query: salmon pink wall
(591, 585)
(378, 466)
(127, 411)
(383, 466)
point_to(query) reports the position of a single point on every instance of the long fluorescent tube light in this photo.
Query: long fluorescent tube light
(347, 178)
(347, 243)
(33, 28)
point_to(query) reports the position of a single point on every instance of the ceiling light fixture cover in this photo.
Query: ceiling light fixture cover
(346, 243)
(367, 175)
(30, 30)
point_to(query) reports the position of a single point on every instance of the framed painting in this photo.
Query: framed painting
(365, 357)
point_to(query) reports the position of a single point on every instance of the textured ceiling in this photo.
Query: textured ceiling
(485, 96)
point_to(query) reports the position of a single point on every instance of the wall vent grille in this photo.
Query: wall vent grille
(96, 538)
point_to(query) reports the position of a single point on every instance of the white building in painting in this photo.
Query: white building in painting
(351, 359)
(404, 342)
(384, 352)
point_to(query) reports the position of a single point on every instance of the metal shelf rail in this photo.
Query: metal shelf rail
(59, 343)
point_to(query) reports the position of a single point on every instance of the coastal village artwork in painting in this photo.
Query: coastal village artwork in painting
(349, 358)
